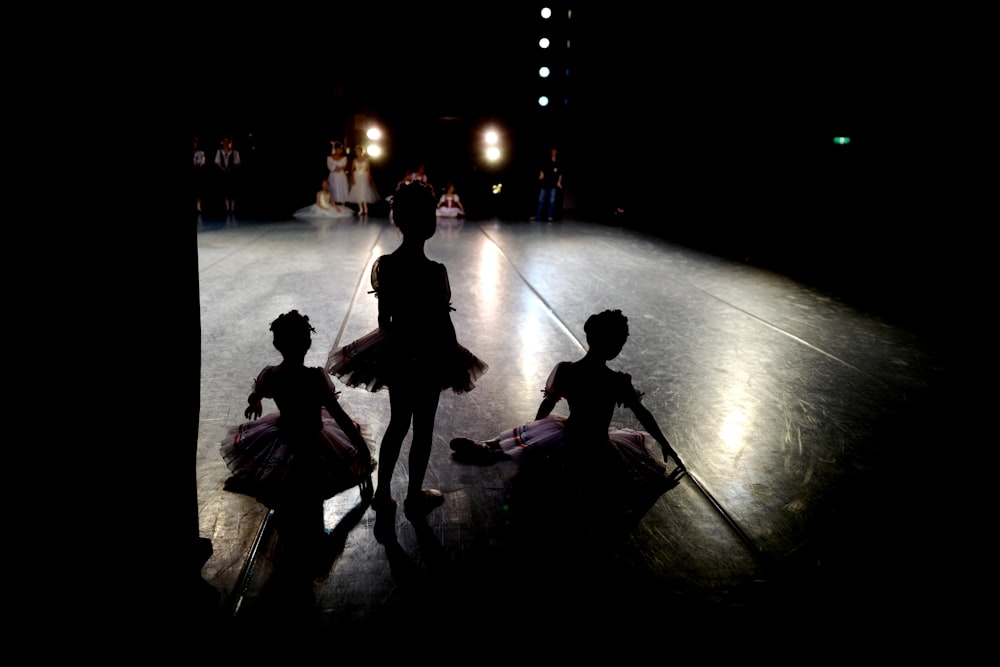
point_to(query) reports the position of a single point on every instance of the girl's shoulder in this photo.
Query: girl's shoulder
(625, 391)
(319, 375)
(559, 372)
(268, 370)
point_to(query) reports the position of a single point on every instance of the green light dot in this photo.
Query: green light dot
(841, 140)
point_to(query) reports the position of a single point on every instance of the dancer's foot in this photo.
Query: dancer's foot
(476, 451)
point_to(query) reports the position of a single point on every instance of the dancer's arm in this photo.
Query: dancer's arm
(551, 392)
(254, 407)
(545, 408)
(649, 424)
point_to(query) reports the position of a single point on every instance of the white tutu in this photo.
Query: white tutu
(315, 212)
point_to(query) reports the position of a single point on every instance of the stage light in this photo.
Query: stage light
(546, 12)
(492, 147)
(842, 140)
(374, 150)
(543, 72)
(543, 101)
(544, 42)
(374, 133)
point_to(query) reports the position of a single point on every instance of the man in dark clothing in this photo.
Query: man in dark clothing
(550, 178)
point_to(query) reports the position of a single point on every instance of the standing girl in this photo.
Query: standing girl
(362, 190)
(336, 163)
(414, 351)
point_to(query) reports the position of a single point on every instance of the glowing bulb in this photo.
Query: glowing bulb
(546, 12)
(374, 133)
(543, 101)
(543, 72)
(493, 153)
(544, 42)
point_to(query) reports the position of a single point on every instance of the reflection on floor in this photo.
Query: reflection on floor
(791, 409)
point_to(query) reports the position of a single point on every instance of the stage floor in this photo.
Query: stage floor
(799, 416)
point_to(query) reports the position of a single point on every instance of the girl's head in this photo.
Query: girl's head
(292, 334)
(414, 210)
(607, 333)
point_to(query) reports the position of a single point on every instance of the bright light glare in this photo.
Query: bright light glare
(488, 293)
(734, 429)
(374, 150)
(493, 153)
(543, 72)
(544, 42)
(543, 101)
(492, 137)
(374, 133)
(546, 12)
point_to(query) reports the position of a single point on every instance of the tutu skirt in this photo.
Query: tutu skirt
(270, 466)
(637, 450)
(314, 212)
(370, 362)
(566, 489)
(339, 186)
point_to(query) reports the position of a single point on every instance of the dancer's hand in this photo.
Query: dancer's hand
(254, 410)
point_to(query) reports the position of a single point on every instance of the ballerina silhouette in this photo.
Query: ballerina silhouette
(309, 450)
(621, 464)
(414, 351)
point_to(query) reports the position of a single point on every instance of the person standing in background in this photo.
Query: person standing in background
(198, 175)
(550, 182)
(336, 163)
(363, 191)
(227, 160)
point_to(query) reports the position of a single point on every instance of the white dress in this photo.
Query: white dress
(339, 185)
(448, 206)
(363, 191)
(322, 210)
